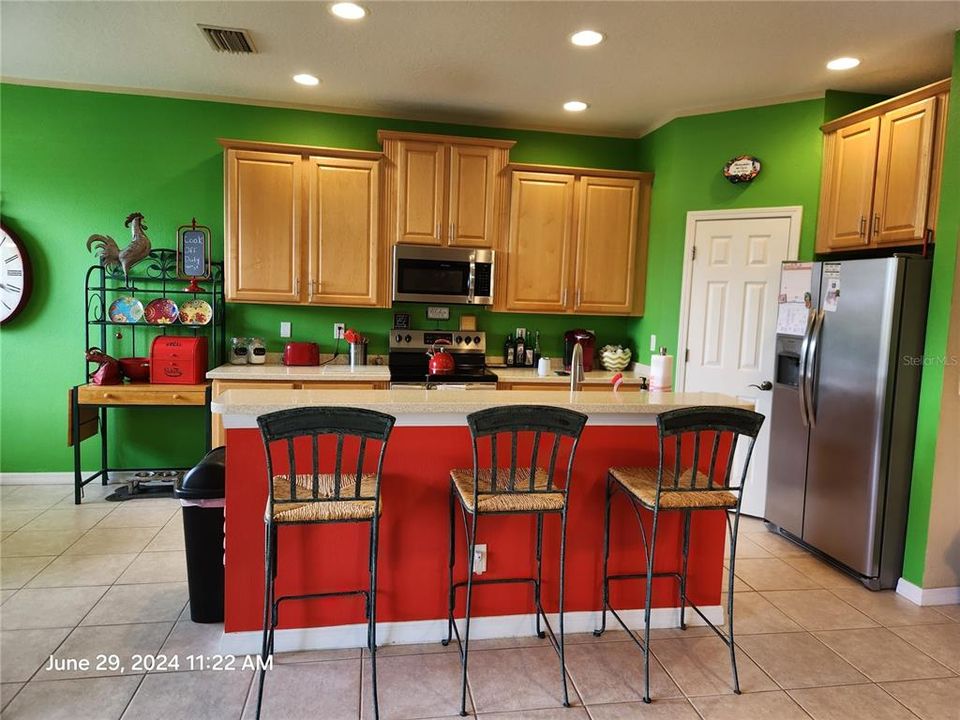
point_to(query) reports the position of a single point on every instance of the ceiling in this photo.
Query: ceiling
(495, 63)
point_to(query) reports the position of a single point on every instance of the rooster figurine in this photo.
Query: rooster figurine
(110, 255)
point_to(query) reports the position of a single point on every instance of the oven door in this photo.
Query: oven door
(443, 275)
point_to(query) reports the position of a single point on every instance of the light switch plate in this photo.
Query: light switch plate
(438, 313)
(284, 329)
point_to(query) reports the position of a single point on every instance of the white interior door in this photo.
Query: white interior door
(731, 286)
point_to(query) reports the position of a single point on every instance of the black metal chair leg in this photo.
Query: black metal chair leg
(451, 596)
(563, 566)
(683, 571)
(466, 628)
(730, 580)
(647, 611)
(606, 557)
(268, 576)
(372, 620)
(536, 588)
(274, 559)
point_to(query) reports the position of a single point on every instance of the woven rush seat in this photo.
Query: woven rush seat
(502, 500)
(343, 509)
(641, 482)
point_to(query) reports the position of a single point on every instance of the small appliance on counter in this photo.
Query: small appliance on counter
(301, 353)
(178, 360)
(587, 340)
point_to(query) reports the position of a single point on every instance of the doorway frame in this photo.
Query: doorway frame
(793, 212)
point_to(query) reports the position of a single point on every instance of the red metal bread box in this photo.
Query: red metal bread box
(178, 360)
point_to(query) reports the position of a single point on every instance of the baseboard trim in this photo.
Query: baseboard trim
(39, 478)
(928, 596)
(426, 631)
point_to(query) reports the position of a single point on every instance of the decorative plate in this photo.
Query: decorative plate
(742, 169)
(126, 309)
(161, 311)
(196, 312)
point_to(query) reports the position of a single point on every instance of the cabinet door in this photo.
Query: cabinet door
(263, 227)
(903, 173)
(606, 245)
(848, 177)
(538, 250)
(343, 231)
(472, 196)
(420, 211)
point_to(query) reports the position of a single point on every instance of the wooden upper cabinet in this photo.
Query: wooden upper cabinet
(881, 172)
(472, 196)
(851, 159)
(443, 190)
(263, 225)
(420, 192)
(539, 245)
(343, 239)
(903, 173)
(606, 245)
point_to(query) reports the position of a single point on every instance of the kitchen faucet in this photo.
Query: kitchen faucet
(576, 367)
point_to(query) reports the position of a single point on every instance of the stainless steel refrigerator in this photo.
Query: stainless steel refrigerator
(844, 414)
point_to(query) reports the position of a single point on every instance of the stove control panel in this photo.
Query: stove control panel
(454, 340)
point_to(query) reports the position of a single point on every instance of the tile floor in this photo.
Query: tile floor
(106, 577)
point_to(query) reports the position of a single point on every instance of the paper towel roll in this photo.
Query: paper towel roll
(661, 372)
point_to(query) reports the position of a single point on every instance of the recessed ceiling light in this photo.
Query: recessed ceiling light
(306, 79)
(586, 38)
(575, 106)
(348, 10)
(843, 63)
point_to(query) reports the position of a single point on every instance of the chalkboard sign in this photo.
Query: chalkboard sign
(193, 251)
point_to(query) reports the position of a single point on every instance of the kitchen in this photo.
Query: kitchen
(186, 174)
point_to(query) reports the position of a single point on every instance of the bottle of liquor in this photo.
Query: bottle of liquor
(536, 349)
(508, 351)
(520, 350)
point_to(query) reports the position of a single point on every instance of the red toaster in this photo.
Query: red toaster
(301, 353)
(178, 360)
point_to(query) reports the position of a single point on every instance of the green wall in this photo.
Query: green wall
(73, 163)
(687, 155)
(938, 322)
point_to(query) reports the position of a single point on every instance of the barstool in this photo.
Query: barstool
(525, 487)
(681, 489)
(348, 494)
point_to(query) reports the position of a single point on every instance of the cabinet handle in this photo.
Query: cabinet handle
(563, 299)
(577, 303)
(438, 232)
(863, 225)
(876, 223)
(453, 231)
(177, 396)
(296, 287)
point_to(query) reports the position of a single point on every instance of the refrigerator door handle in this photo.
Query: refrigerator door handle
(812, 367)
(802, 384)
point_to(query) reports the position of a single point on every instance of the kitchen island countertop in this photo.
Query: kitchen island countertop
(313, 373)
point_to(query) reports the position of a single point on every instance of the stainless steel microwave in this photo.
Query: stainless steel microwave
(443, 275)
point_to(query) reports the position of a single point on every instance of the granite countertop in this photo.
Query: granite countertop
(315, 373)
(448, 405)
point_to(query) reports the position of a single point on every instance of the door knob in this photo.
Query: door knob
(766, 386)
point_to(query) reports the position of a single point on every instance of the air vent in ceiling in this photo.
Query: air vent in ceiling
(231, 40)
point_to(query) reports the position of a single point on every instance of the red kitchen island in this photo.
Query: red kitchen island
(429, 439)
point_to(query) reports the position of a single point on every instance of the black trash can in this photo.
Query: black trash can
(201, 493)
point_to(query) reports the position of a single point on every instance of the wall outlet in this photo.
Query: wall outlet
(284, 329)
(479, 559)
(653, 343)
(338, 330)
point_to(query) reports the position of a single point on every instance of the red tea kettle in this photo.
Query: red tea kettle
(441, 362)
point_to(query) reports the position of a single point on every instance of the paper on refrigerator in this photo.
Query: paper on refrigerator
(794, 301)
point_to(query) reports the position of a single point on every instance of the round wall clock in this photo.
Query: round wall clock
(16, 276)
(742, 169)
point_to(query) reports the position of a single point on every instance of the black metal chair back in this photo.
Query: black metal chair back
(284, 427)
(550, 427)
(716, 428)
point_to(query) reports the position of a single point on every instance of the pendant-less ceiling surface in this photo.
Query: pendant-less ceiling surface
(496, 63)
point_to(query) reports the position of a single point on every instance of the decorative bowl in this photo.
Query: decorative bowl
(615, 358)
(125, 309)
(196, 312)
(135, 368)
(161, 311)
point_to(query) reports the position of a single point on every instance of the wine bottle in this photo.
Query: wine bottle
(520, 350)
(508, 351)
(536, 350)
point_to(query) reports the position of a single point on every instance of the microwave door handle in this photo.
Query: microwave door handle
(472, 280)
(802, 381)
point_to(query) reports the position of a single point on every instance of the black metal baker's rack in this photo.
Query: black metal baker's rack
(155, 277)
